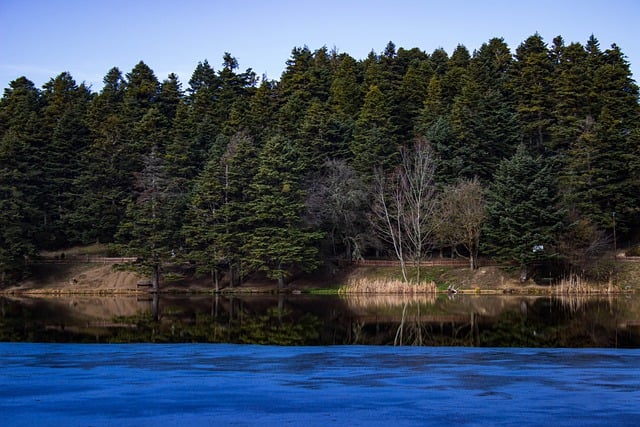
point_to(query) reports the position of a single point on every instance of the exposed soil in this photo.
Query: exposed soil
(85, 278)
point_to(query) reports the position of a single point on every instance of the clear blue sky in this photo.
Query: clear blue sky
(42, 38)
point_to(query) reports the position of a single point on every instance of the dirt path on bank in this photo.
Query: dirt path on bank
(101, 278)
(77, 278)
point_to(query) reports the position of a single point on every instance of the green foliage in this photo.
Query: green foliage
(279, 241)
(242, 157)
(523, 216)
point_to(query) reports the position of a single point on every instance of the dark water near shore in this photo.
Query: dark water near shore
(461, 320)
(322, 360)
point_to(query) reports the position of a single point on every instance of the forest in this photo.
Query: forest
(528, 158)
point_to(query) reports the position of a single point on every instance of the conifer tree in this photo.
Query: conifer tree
(105, 183)
(523, 215)
(279, 241)
(21, 143)
(374, 142)
(482, 117)
(149, 230)
(531, 85)
(65, 109)
(206, 225)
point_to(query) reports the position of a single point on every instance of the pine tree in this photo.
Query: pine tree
(572, 83)
(374, 142)
(523, 215)
(482, 117)
(65, 110)
(345, 92)
(598, 167)
(206, 225)
(21, 141)
(279, 242)
(433, 107)
(241, 162)
(531, 85)
(19, 213)
(105, 182)
(149, 230)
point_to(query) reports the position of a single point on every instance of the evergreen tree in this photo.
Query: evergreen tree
(452, 80)
(482, 117)
(374, 142)
(279, 241)
(240, 162)
(206, 225)
(105, 182)
(21, 178)
(141, 91)
(19, 213)
(345, 92)
(433, 107)
(149, 229)
(598, 170)
(523, 216)
(572, 83)
(531, 85)
(170, 96)
(65, 110)
(412, 95)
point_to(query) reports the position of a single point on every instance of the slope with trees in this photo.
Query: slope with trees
(243, 175)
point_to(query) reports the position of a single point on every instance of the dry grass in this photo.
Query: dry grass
(575, 284)
(387, 286)
(361, 301)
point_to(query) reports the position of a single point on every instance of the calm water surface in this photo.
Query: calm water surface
(464, 320)
(315, 361)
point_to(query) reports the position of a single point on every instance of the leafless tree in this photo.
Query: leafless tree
(336, 201)
(584, 247)
(404, 206)
(462, 215)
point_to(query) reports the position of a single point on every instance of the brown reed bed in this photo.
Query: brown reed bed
(362, 301)
(387, 286)
(576, 284)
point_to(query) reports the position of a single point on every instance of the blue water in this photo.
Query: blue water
(247, 385)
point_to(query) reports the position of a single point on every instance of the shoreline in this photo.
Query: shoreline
(103, 280)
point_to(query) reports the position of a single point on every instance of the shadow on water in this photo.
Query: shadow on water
(464, 320)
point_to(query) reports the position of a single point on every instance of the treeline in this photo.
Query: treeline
(241, 174)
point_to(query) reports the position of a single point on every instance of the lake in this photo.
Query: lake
(459, 320)
(319, 360)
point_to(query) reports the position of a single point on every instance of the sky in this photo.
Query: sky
(40, 39)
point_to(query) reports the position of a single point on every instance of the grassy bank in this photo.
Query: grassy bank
(100, 279)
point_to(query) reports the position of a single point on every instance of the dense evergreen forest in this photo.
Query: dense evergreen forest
(527, 157)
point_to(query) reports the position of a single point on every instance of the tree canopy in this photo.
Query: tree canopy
(243, 175)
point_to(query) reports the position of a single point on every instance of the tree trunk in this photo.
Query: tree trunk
(214, 279)
(155, 278)
(155, 307)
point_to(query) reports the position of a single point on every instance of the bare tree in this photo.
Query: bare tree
(404, 206)
(336, 200)
(463, 213)
(388, 215)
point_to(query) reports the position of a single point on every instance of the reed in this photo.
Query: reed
(362, 301)
(575, 284)
(387, 286)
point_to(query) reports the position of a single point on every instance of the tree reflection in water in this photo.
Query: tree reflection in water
(427, 320)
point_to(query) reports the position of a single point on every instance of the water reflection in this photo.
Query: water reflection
(465, 320)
